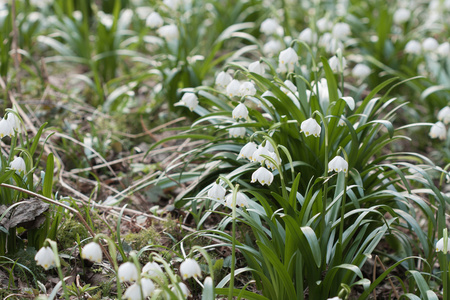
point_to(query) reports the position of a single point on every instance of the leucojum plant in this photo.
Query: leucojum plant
(312, 176)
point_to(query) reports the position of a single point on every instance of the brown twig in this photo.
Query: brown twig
(377, 258)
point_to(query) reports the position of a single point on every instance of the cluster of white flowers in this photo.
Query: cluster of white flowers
(428, 45)
(438, 130)
(218, 192)
(9, 125)
(190, 100)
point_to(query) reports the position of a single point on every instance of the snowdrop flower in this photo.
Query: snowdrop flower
(324, 96)
(169, 32)
(288, 58)
(308, 36)
(324, 24)
(240, 112)
(152, 269)
(190, 268)
(189, 100)
(401, 15)
(444, 115)
(257, 67)
(223, 79)
(430, 44)
(413, 47)
(133, 292)
(237, 132)
(241, 200)
(275, 157)
(257, 155)
(45, 258)
(5, 128)
(247, 89)
(14, 121)
(184, 289)
(272, 48)
(270, 26)
(154, 20)
(341, 31)
(233, 88)
(217, 192)
(127, 272)
(310, 127)
(18, 164)
(172, 4)
(334, 298)
(361, 71)
(338, 164)
(291, 88)
(106, 19)
(440, 245)
(269, 146)
(443, 50)
(438, 131)
(341, 121)
(263, 176)
(247, 151)
(92, 251)
(335, 64)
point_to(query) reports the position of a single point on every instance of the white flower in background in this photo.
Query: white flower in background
(45, 258)
(288, 59)
(335, 64)
(127, 272)
(269, 146)
(169, 32)
(270, 26)
(5, 128)
(41, 3)
(275, 157)
(233, 88)
(310, 127)
(257, 67)
(341, 31)
(184, 290)
(341, 121)
(247, 89)
(361, 71)
(152, 269)
(189, 100)
(430, 44)
(290, 87)
(106, 19)
(223, 79)
(248, 150)
(444, 115)
(240, 112)
(334, 298)
(443, 50)
(241, 200)
(438, 131)
(142, 12)
(147, 286)
(237, 131)
(190, 268)
(401, 15)
(324, 24)
(338, 164)
(154, 20)
(217, 192)
(14, 121)
(268, 94)
(263, 176)
(330, 43)
(172, 4)
(272, 48)
(440, 245)
(257, 155)
(133, 292)
(324, 96)
(18, 164)
(413, 47)
(92, 252)
(307, 36)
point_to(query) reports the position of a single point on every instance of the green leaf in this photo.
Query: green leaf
(48, 179)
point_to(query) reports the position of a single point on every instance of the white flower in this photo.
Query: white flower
(147, 286)
(106, 19)
(189, 100)
(247, 151)
(237, 132)
(324, 96)
(272, 47)
(223, 79)
(45, 258)
(18, 164)
(444, 50)
(413, 47)
(269, 164)
(334, 298)
(247, 89)
(288, 59)
(361, 71)
(270, 26)
(190, 268)
(257, 155)
(217, 192)
(324, 24)
(14, 121)
(341, 121)
(233, 88)
(310, 127)
(263, 176)
(308, 36)
(335, 64)
(269, 146)
(172, 4)
(401, 15)
(152, 269)
(291, 88)
(341, 31)
(438, 131)
(92, 251)
(133, 292)
(154, 20)
(338, 164)
(5, 128)
(241, 200)
(440, 245)
(184, 289)
(444, 115)
(240, 112)
(430, 44)
(127, 272)
(169, 32)
(257, 67)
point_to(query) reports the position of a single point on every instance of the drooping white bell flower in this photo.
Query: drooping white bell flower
(248, 150)
(217, 192)
(147, 287)
(443, 50)
(310, 127)
(430, 44)
(288, 59)
(336, 65)
(92, 252)
(241, 200)
(190, 268)
(45, 258)
(233, 88)
(133, 292)
(190, 100)
(152, 269)
(184, 290)
(290, 87)
(257, 155)
(401, 15)
(263, 176)
(237, 132)
(323, 24)
(257, 67)
(413, 47)
(154, 20)
(308, 36)
(14, 121)
(18, 164)
(127, 272)
(247, 89)
(169, 32)
(223, 79)
(268, 145)
(341, 31)
(240, 112)
(438, 131)
(444, 115)
(361, 71)
(334, 298)
(338, 164)
(5, 128)
(272, 48)
(440, 245)
(275, 157)
(270, 26)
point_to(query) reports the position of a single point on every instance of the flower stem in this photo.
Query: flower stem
(233, 243)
